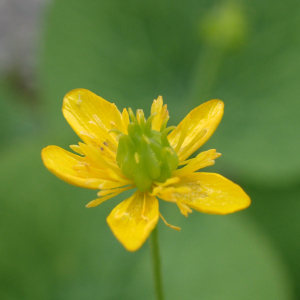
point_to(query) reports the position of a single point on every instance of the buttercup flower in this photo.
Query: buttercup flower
(122, 151)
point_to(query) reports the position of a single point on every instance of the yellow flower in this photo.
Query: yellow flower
(118, 154)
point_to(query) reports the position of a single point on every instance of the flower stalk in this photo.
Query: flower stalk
(154, 243)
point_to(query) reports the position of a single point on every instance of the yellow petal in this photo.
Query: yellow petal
(91, 116)
(196, 128)
(210, 193)
(133, 219)
(161, 113)
(61, 163)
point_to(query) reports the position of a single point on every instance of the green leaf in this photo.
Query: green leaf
(17, 114)
(277, 209)
(52, 247)
(129, 54)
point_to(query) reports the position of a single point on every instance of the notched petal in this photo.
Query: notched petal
(63, 164)
(90, 115)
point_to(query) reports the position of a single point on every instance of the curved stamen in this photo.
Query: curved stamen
(164, 124)
(169, 225)
(131, 115)
(148, 125)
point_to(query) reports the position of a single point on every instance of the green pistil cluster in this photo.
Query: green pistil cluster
(145, 155)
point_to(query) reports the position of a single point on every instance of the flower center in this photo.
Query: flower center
(145, 155)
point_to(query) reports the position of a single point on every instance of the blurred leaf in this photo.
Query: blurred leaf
(133, 51)
(52, 247)
(277, 210)
(217, 257)
(129, 53)
(16, 119)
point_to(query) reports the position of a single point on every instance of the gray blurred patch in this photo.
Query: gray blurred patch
(20, 27)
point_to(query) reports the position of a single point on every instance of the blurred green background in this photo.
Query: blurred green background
(129, 52)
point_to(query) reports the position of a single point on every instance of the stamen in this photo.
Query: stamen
(93, 152)
(98, 201)
(171, 226)
(144, 209)
(120, 215)
(140, 116)
(125, 119)
(166, 131)
(91, 181)
(148, 125)
(76, 149)
(113, 191)
(202, 160)
(110, 145)
(184, 209)
(87, 134)
(198, 136)
(156, 191)
(98, 121)
(116, 177)
(92, 122)
(170, 192)
(106, 184)
(113, 124)
(132, 116)
(115, 130)
(164, 124)
(106, 150)
(168, 181)
(103, 131)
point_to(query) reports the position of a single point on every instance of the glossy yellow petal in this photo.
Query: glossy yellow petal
(91, 116)
(210, 193)
(63, 164)
(196, 128)
(133, 219)
(161, 113)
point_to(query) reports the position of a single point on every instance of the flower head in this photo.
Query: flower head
(123, 151)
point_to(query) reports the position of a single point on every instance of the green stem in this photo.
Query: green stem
(156, 264)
